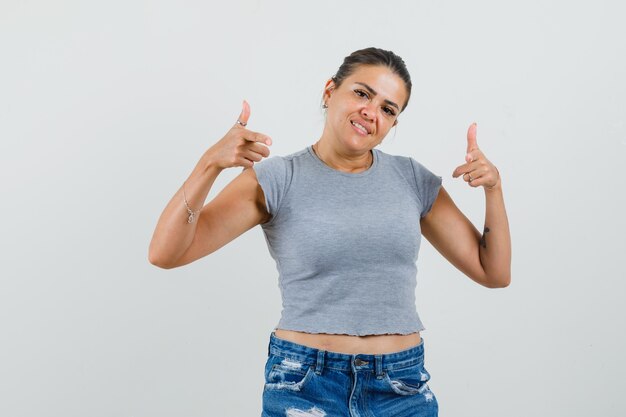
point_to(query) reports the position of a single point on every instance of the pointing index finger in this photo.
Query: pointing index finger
(251, 136)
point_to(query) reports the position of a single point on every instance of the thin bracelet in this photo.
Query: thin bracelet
(191, 212)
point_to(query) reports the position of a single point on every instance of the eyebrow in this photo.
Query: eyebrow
(373, 92)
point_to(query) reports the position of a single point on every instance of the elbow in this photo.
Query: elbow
(502, 282)
(160, 258)
(154, 260)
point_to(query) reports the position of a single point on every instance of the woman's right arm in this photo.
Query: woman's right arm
(236, 209)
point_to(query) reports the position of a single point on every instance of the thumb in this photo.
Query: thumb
(245, 113)
(471, 138)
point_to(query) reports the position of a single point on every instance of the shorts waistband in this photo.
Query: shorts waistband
(320, 358)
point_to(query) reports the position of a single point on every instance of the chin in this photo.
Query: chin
(357, 146)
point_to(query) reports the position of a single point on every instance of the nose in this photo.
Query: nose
(368, 112)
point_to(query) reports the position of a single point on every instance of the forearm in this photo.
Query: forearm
(495, 244)
(173, 234)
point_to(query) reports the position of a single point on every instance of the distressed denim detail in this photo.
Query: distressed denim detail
(410, 380)
(287, 374)
(304, 381)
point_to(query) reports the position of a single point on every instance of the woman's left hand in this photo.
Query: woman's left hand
(477, 170)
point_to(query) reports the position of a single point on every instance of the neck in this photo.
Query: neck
(347, 163)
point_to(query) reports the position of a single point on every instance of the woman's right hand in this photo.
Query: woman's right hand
(240, 146)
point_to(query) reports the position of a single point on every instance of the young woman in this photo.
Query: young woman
(343, 220)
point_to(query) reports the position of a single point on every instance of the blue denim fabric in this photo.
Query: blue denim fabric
(304, 381)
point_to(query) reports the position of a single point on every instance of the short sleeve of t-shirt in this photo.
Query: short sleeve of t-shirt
(271, 174)
(428, 185)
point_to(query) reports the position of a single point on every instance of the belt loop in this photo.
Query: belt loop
(378, 362)
(319, 365)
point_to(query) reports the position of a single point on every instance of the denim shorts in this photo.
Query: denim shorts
(304, 381)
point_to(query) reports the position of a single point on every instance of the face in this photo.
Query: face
(363, 109)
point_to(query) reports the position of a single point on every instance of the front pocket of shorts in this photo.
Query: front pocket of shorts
(408, 381)
(287, 374)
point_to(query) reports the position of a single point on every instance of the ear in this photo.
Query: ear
(395, 122)
(328, 88)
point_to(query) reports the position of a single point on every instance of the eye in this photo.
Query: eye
(361, 93)
(390, 111)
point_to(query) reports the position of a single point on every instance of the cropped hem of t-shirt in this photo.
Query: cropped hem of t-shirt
(346, 244)
(361, 331)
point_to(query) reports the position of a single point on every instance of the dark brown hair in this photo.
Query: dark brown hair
(374, 56)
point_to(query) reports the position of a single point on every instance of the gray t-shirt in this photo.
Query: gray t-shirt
(346, 244)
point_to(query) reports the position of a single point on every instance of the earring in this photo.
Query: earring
(325, 106)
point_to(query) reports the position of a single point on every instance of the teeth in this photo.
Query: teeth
(360, 127)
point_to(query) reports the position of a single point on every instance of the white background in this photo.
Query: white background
(106, 107)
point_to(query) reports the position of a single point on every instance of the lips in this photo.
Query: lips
(361, 126)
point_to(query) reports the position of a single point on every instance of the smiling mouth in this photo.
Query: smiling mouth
(360, 127)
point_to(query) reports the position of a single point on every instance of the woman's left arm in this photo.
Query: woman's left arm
(486, 257)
